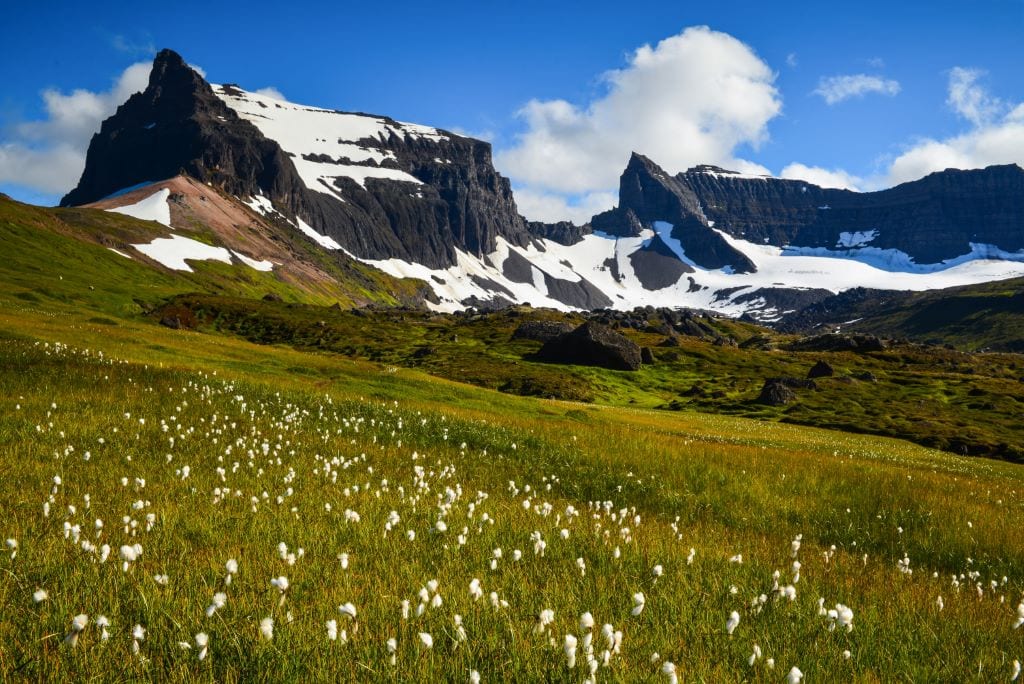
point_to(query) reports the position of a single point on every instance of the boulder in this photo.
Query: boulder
(541, 331)
(821, 370)
(776, 393)
(592, 344)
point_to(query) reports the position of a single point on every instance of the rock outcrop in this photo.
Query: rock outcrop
(593, 344)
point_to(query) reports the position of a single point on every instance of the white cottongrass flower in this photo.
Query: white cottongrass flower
(841, 615)
(460, 631)
(474, 677)
(219, 599)
(128, 555)
(657, 571)
(570, 650)
(794, 676)
(738, 559)
(138, 634)
(586, 621)
(639, 601)
(102, 622)
(282, 584)
(332, 630)
(343, 560)
(40, 595)
(475, 590)
(392, 645)
(754, 656)
(1016, 671)
(582, 565)
(348, 610)
(732, 622)
(267, 628)
(669, 670)
(426, 641)
(78, 624)
(546, 617)
(12, 546)
(202, 642)
(691, 556)
(1020, 616)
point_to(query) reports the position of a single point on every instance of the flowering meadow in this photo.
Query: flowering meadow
(205, 523)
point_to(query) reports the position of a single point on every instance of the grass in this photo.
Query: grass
(965, 403)
(720, 485)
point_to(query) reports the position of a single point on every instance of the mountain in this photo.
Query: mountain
(983, 317)
(424, 203)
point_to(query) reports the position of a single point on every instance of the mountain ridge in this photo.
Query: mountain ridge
(421, 202)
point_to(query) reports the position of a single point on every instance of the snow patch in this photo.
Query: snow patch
(857, 238)
(322, 240)
(262, 265)
(173, 251)
(345, 145)
(152, 208)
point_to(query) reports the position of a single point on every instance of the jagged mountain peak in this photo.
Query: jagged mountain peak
(418, 201)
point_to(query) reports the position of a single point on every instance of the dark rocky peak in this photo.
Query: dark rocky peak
(647, 195)
(178, 125)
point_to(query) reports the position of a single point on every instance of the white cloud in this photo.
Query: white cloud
(969, 99)
(271, 92)
(693, 98)
(826, 178)
(791, 60)
(538, 205)
(996, 135)
(835, 89)
(49, 155)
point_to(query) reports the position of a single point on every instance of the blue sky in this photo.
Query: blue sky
(924, 82)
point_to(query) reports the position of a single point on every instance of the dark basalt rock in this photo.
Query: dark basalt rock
(646, 355)
(776, 393)
(541, 331)
(821, 370)
(179, 125)
(931, 219)
(647, 194)
(592, 344)
(835, 342)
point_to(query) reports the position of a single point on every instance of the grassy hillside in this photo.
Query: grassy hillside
(374, 441)
(965, 403)
(987, 316)
(62, 255)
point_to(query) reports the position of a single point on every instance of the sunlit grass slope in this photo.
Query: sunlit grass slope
(376, 487)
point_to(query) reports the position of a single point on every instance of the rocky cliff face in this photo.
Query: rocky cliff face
(647, 195)
(932, 220)
(411, 193)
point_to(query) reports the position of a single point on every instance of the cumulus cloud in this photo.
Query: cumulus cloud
(693, 98)
(271, 92)
(826, 178)
(538, 205)
(48, 155)
(969, 99)
(835, 89)
(996, 135)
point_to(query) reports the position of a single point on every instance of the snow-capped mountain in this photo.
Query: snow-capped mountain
(420, 202)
